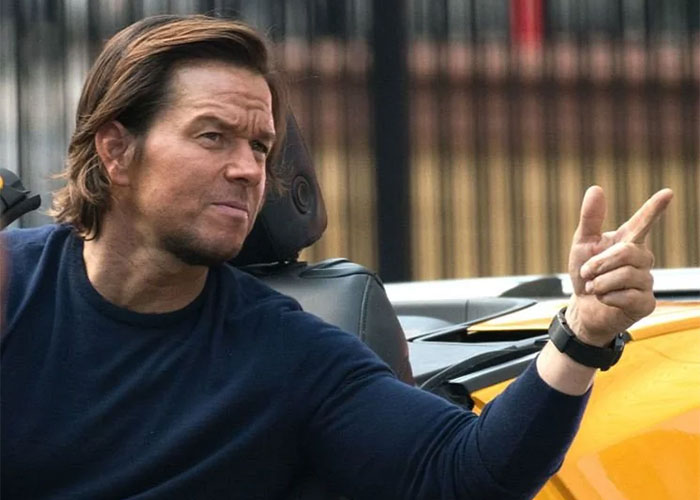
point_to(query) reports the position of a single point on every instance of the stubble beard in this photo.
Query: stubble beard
(190, 250)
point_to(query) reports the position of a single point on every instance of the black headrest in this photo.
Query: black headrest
(293, 220)
(15, 200)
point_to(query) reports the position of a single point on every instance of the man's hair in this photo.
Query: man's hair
(129, 83)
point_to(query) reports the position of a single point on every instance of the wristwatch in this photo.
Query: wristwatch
(565, 340)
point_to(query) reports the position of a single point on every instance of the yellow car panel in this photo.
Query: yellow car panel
(640, 435)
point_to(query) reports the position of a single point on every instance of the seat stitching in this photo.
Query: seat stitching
(363, 310)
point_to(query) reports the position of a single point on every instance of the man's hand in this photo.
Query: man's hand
(612, 285)
(610, 271)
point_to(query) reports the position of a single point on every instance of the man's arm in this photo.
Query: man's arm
(371, 436)
(612, 282)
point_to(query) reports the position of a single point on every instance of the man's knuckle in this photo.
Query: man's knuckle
(650, 258)
(627, 275)
(628, 250)
(649, 306)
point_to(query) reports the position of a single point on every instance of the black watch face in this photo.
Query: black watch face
(593, 356)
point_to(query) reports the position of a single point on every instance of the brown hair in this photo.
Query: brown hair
(129, 83)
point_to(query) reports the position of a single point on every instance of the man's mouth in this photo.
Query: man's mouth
(232, 208)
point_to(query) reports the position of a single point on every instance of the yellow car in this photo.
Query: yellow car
(640, 435)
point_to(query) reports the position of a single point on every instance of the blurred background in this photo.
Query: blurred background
(452, 138)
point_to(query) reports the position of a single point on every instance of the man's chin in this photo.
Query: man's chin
(195, 253)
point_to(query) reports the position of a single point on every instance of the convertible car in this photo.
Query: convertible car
(467, 339)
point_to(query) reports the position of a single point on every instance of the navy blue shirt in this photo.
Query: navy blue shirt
(238, 395)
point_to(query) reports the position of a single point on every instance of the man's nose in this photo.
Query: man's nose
(243, 166)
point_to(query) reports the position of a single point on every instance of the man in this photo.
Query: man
(137, 364)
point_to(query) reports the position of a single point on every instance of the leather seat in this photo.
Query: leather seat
(351, 297)
(338, 291)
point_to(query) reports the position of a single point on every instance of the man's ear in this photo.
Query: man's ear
(115, 146)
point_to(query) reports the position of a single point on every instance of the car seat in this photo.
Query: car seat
(338, 291)
(15, 200)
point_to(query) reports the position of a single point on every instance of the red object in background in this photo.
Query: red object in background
(526, 22)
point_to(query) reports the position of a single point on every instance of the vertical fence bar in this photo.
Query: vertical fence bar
(512, 144)
(479, 146)
(9, 87)
(444, 144)
(549, 95)
(584, 94)
(391, 138)
(620, 112)
(652, 102)
(690, 110)
(312, 89)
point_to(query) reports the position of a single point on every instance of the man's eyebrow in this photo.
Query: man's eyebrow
(209, 119)
(266, 134)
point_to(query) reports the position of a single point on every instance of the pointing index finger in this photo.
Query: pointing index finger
(635, 230)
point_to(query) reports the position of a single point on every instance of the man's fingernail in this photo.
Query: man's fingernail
(589, 287)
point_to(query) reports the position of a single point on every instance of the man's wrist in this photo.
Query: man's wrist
(562, 373)
(576, 325)
(588, 354)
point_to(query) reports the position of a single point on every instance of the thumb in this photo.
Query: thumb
(593, 208)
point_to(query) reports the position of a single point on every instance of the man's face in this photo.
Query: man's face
(200, 180)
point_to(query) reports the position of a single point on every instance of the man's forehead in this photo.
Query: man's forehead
(211, 82)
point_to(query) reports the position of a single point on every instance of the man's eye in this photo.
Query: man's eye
(213, 137)
(260, 147)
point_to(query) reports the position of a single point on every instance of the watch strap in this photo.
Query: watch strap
(565, 340)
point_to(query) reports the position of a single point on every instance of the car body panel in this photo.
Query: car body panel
(640, 435)
(665, 281)
(668, 317)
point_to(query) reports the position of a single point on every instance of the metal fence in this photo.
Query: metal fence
(512, 107)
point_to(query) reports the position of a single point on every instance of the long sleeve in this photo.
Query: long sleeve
(371, 436)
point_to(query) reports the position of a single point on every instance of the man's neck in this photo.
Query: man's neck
(138, 277)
